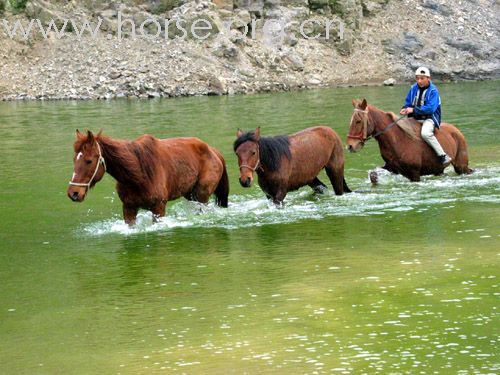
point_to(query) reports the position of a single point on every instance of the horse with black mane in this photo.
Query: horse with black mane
(401, 145)
(286, 163)
(149, 172)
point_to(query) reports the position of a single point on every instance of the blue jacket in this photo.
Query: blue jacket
(431, 106)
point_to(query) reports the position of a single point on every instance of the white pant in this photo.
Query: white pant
(429, 137)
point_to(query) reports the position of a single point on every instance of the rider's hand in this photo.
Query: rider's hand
(406, 111)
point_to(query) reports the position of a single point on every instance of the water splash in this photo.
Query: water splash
(392, 194)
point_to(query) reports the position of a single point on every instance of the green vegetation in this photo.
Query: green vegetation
(17, 5)
(336, 7)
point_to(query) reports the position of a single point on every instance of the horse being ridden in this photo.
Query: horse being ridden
(401, 147)
(149, 172)
(286, 163)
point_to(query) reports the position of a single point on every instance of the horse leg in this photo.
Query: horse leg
(158, 210)
(130, 215)
(201, 192)
(462, 169)
(206, 185)
(461, 160)
(279, 197)
(318, 187)
(335, 170)
(189, 196)
(336, 176)
(413, 176)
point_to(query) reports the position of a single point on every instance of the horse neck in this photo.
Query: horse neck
(380, 120)
(119, 161)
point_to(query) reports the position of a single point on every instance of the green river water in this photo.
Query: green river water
(401, 278)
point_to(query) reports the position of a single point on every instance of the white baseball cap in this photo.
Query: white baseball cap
(423, 71)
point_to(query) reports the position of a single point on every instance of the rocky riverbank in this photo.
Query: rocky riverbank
(240, 46)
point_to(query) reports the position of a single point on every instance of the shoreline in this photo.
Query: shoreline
(22, 98)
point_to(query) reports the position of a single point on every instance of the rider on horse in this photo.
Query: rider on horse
(424, 104)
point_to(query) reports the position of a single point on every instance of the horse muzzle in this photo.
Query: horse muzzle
(76, 195)
(246, 182)
(354, 146)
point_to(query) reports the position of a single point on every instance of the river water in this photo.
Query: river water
(399, 278)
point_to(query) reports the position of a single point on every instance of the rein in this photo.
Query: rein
(99, 162)
(363, 137)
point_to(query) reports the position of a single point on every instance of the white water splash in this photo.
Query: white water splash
(392, 194)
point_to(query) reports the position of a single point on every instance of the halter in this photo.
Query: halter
(363, 138)
(249, 167)
(101, 160)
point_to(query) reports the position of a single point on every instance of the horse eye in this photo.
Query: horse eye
(253, 153)
(88, 161)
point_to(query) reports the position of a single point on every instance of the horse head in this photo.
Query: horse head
(246, 148)
(359, 126)
(89, 165)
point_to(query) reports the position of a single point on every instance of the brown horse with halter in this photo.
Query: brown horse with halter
(401, 146)
(149, 171)
(286, 163)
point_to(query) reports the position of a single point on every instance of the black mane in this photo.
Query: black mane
(271, 149)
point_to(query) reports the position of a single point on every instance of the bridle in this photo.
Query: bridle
(253, 169)
(364, 136)
(99, 162)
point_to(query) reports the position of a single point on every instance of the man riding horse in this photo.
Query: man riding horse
(424, 104)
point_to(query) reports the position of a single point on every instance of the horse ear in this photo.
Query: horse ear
(79, 135)
(355, 103)
(99, 134)
(90, 136)
(363, 105)
(257, 133)
(239, 133)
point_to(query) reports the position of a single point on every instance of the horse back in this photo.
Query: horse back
(318, 141)
(185, 161)
(311, 150)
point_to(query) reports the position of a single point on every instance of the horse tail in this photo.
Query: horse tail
(222, 189)
(461, 160)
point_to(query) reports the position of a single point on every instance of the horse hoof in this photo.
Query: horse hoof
(373, 177)
(320, 190)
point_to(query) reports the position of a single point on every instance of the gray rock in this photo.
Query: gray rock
(442, 9)
(216, 86)
(45, 12)
(411, 43)
(224, 4)
(476, 48)
(225, 48)
(255, 7)
(294, 61)
(390, 82)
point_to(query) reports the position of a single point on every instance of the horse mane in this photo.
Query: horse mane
(271, 149)
(130, 161)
